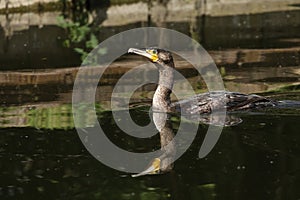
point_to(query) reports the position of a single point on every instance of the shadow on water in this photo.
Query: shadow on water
(41, 156)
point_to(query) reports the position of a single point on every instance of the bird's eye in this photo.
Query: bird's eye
(154, 51)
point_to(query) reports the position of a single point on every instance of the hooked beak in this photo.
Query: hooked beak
(152, 169)
(144, 52)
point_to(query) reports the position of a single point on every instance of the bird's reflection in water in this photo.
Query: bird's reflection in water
(163, 124)
(163, 163)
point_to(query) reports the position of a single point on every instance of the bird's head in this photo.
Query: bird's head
(155, 55)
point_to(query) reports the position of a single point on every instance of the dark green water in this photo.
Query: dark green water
(258, 159)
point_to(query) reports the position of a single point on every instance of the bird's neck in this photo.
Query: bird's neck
(161, 99)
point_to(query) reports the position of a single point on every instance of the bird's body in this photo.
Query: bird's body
(203, 103)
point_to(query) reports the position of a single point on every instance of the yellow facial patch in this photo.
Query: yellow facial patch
(153, 53)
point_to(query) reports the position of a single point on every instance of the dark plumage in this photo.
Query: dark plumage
(200, 103)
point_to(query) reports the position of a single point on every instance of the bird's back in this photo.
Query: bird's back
(220, 100)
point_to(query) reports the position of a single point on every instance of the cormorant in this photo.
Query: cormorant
(201, 103)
